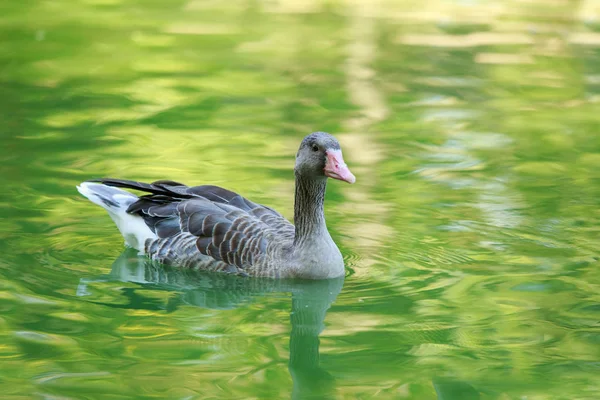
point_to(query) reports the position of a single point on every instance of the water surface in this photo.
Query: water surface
(471, 236)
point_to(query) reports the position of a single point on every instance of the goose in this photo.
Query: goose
(211, 228)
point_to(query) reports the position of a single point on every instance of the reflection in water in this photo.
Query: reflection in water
(472, 234)
(447, 389)
(310, 302)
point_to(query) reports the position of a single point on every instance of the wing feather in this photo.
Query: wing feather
(228, 227)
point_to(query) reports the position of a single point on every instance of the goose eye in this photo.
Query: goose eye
(315, 148)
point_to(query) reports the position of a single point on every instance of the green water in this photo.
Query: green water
(471, 237)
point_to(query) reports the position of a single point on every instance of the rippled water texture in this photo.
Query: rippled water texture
(471, 236)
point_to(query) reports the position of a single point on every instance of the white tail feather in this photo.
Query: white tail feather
(116, 201)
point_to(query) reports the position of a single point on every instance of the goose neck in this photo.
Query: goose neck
(309, 216)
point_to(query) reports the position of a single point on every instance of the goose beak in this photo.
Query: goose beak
(336, 168)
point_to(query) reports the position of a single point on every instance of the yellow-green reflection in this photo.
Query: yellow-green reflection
(471, 236)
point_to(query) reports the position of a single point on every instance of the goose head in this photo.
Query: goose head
(320, 157)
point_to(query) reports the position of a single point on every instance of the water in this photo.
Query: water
(470, 238)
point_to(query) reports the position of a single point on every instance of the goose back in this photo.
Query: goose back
(209, 227)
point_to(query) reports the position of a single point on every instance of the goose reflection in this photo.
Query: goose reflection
(310, 302)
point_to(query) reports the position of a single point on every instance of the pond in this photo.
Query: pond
(471, 237)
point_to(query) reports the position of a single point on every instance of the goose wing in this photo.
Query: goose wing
(225, 225)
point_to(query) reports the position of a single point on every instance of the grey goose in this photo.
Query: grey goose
(211, 228)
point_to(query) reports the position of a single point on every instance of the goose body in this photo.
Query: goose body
(211, 228)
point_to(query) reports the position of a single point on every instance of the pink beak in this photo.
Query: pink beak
(336, 168)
